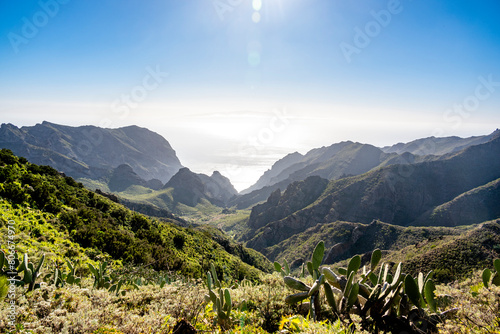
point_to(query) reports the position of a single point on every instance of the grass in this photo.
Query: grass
(94, 184)
(151, 309)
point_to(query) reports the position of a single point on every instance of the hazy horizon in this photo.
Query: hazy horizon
(236, 85)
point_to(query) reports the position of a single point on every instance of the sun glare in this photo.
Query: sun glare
(257, 4)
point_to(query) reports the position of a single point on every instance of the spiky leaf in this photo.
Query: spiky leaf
(39, 264)
(430, 298)
(348, 285)
(389, 278)
(397, 275)
(382, 274)
(286, 266)
(373, 278)
(24, 264)
(353, 295)
(330, 298)
(277, 266)
(496, 265)
(213, 297)
(56, 276)
(317, 284)
(496, 279)
(215, 279)
(411, 289)
(209, 280)
(93, 270)
(393, 298)
(310, 268)
(421, 282)
(295, 284)
(295, 298)
(103, 266)
(354, 264)
(228, 302)
(331, 277)
(317, 256)
(376, 256)
(428, 276)
(486, 277)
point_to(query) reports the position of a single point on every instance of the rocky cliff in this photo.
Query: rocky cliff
(93, 152)
(190, 188)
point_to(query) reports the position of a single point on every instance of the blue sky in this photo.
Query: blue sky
(236, 84)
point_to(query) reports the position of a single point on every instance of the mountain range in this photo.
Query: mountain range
(93, 152)
(116, 160)
(449, 190)
(434, 182)
(348, 159)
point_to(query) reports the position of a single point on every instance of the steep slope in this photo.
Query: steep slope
(450, 252)
(332, 163)
(101, 226)
(348, 159)
(344, 240)
(472, 207)
(248, 200)
(455, 257)
(298, 195)
(438, 146)
(123, 177)
(190, 188)
(218, 187)
(92, 152)
(396, 194)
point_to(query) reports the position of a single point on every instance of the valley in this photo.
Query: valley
(434, 182)
(431, 212)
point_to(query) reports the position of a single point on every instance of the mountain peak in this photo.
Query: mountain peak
(92, 152)
(123, 177)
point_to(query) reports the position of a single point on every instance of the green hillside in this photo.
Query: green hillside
(57, 217)
(51, 201)
(451, 252)
(472, 207)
